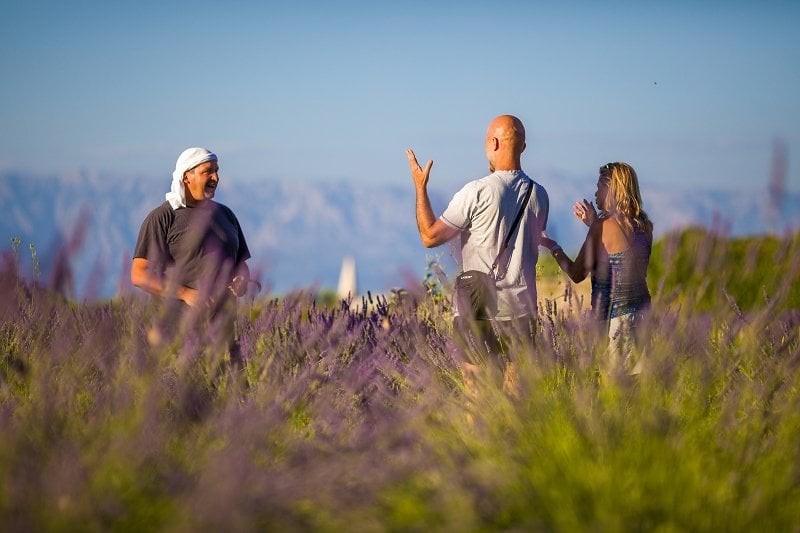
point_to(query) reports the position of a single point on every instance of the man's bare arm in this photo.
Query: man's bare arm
(432, 231)
(143, 277)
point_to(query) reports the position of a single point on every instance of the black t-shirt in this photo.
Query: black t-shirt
(193, 246)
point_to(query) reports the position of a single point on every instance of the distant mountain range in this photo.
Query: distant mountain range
(300, 232)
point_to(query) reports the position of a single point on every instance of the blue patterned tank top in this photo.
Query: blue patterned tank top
(624, 290)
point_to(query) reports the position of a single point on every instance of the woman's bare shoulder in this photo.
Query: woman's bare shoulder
(614, 237)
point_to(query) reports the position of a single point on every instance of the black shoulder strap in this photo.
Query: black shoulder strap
(513, 225)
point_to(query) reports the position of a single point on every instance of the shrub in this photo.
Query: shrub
(359, 418)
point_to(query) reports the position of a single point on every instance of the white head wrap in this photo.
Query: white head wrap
(189, 158)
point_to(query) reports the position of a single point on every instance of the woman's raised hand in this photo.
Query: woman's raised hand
(584, 211)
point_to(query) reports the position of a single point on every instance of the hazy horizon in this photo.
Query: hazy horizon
(692, 94)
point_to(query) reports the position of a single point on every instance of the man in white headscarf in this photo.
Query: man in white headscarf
(191, 248)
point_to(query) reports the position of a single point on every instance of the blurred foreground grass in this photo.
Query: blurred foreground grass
(359, 420)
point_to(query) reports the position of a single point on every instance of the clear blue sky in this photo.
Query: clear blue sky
(693, 94)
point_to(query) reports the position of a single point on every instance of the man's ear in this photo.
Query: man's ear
(495, 143)
(185, 179)
(523, 147)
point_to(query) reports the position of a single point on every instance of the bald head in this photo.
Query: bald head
(505, 142)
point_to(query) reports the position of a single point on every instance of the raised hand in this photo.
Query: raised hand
(419, 174)
(585, 212)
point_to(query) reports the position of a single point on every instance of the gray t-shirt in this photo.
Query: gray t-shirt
(194, 246)
(484, 210)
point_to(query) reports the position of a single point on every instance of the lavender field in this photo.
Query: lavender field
(361, 418)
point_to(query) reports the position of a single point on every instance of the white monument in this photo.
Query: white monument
(347, 279)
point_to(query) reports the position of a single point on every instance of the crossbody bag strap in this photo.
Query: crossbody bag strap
(513, 226)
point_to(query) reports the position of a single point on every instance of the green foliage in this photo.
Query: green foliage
(15, 242)
(368, 420)
(710, 269)
(435, 281)
(328, 298)
(547, 267)
(35, 263)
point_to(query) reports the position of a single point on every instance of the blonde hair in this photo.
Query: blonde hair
(623, 199)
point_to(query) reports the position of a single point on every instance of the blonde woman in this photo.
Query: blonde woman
(616, 253)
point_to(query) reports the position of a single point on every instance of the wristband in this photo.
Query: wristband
(238, 285)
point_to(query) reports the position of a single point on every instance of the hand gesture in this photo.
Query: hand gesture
(420, 175)
(547, 242)
(585, 212)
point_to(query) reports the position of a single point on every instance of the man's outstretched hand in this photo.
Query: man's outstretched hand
(419, 174)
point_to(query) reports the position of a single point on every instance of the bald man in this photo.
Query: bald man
(481, 214)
